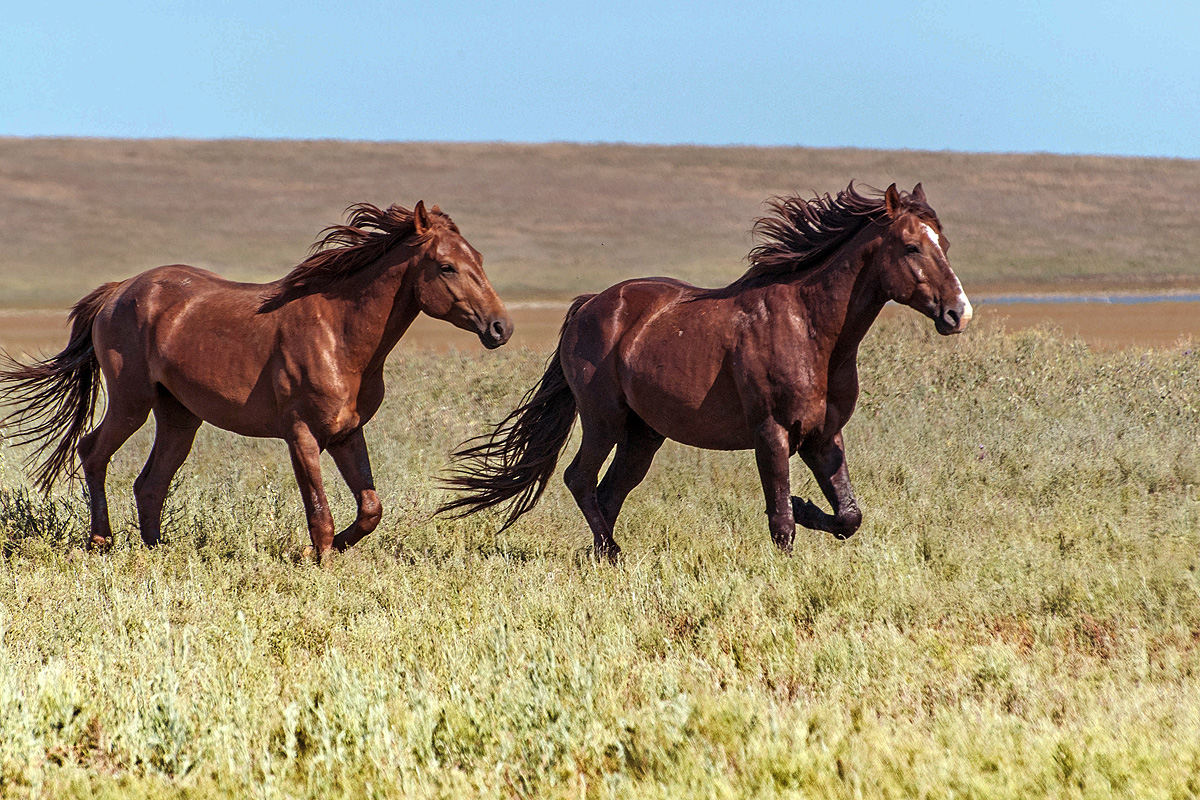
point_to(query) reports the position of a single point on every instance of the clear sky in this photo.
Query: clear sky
(1064, 77)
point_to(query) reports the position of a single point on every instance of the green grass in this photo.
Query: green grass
(1019, 616)
(558, 219)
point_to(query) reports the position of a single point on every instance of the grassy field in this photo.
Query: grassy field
(556, 220)
(1019, 617)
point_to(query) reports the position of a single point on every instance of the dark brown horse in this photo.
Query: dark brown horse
(299, 359)
(767, 363)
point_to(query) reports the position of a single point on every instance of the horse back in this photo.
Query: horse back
(197, 335)
(179, 301)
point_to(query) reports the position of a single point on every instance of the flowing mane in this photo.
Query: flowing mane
(799, 234)
(344, 250)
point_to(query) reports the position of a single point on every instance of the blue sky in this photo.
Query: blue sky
(1096, 77)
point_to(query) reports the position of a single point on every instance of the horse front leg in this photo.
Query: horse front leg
(827, 460)
(306, 462)
(354, 463)
(771, 454)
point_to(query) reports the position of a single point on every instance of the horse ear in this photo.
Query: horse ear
(891, 199)
(435, 209)
(420, 217)
(918, 194)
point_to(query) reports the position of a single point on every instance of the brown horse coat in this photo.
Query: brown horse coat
(299, 359)
(768, 363)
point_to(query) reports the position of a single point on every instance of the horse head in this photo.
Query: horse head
(451, 284)
(914, 269)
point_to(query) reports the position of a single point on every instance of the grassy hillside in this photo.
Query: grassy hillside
(555, 220)
(1018, 617)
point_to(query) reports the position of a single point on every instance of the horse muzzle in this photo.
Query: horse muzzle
(953, 317)
(497, 332)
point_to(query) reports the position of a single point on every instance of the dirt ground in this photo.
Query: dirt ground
(1102, 325)
(1105, 325)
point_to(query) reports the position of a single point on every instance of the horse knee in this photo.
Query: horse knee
(370, 512)
(847, 522)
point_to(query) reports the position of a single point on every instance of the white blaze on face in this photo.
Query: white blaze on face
(968, 311)
(933, 236)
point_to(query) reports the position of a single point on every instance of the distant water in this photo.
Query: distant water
(1112, 299)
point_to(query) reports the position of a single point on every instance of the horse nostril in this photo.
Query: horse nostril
(500, 329)
(952, 317)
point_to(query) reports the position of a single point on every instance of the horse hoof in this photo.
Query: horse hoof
(610, 553)
(98, 544)
(319, 557)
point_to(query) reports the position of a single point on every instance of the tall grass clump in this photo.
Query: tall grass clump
(1018, 617)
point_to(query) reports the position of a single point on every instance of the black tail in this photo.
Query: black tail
(55, 397)
(514, 462)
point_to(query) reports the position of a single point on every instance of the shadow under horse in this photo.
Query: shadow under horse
(767, 363)
(299, 359)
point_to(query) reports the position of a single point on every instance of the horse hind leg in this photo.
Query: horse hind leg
(581, 477)
(121, 420)
(174, 431)
(635, 453)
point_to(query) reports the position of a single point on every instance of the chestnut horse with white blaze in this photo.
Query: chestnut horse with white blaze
(299, 359)
(768, 363)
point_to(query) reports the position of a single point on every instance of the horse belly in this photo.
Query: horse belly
(700, 408)
(227, 386)
(697, 427)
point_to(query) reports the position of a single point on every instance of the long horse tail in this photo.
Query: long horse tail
(55, 397)
(514, 462)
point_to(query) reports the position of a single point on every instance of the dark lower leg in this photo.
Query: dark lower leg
(580, 478)
(306, 462)
(771, 456)
(95, 450)
(635, 454)
(171, 446)
(355, 465)
(828, 464)
(95, 473)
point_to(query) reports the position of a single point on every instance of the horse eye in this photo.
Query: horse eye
(448, 269)
(912, 249)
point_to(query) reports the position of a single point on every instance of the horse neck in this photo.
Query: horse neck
(380, 304)
(843, 296)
